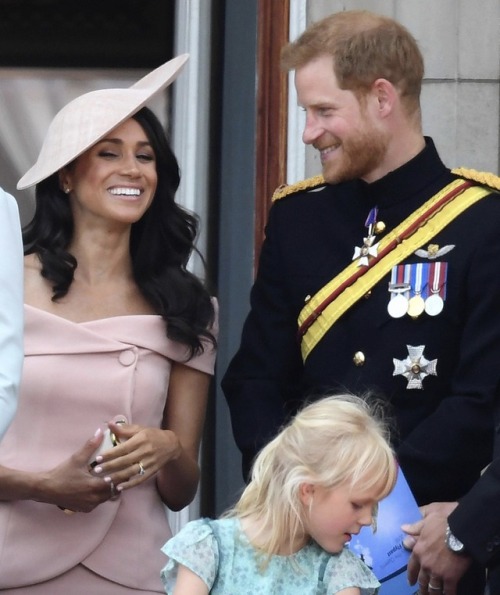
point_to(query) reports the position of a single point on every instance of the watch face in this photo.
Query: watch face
(454, 543)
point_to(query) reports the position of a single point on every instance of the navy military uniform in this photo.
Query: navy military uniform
(444, 429)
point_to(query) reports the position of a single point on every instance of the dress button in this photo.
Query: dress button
(127, 358)
(359, 358)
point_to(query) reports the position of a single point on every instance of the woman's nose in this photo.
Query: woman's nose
(130, 167)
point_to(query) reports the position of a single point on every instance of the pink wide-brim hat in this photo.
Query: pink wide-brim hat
(88, 118)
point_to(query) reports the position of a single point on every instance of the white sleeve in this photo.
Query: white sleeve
(11, 308)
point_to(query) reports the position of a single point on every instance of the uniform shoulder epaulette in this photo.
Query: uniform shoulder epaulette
(485, 178)
(308, 184)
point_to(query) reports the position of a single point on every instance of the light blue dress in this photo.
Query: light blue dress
(221, 555)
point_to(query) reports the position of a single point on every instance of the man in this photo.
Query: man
(379, 277)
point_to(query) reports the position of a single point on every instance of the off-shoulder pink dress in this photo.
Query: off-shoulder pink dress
(76, 377)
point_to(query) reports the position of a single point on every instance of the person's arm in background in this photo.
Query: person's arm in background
(11, 308)
(476, 519)
(474, 522)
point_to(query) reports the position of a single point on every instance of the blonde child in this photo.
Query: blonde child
(312, 487)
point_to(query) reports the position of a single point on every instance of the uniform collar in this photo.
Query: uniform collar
(406, 181)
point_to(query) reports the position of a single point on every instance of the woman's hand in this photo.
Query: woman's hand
(141, 453)
(71, 485)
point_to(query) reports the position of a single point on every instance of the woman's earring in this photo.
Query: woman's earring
(67, 190)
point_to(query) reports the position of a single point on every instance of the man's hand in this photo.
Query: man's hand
(432, 564)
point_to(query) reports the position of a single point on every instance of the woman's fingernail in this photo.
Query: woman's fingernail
(98, 469)
(107, 479)
(98, 432)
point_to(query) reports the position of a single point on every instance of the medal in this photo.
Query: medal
(434, 303)
(368, 250)
(416, 304)
(365, 251)
(399, 288)
(397, 306)
(415, 367)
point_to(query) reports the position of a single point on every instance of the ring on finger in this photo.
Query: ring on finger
(67, 510)
(141, 469)
(114, 492)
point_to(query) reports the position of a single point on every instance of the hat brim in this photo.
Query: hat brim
(90, 117)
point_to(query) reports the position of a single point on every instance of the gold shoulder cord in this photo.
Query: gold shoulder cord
(482, 177)
(486, 178)
(308, 184)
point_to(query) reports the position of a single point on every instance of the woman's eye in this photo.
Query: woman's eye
(107, 154)
(145, 157)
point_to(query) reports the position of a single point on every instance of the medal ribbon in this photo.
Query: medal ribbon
(339, 294)
(438, 275)
(416, 278)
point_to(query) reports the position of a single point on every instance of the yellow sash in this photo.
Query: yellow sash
(344, 290)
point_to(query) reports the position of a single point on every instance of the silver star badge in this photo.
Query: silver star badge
(365, 251)
(415, 367)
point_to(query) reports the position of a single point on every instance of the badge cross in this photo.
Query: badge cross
(364, 252)
(368, 249)
(415, 367)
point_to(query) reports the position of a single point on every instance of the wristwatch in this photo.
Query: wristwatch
(453, 543)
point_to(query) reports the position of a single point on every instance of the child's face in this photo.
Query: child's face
(333, 515)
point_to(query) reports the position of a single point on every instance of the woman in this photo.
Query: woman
(117, 330)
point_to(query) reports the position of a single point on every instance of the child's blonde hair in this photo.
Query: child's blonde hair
(334, 441)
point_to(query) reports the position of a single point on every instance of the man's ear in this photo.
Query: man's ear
(385, 95)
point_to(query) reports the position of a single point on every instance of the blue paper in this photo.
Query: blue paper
(383, 550)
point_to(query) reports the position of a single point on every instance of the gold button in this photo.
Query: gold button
(379, 227)
(359, 358)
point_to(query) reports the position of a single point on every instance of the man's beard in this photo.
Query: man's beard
(360, 155)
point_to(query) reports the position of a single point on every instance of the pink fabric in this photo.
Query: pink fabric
(77, 581)
(77, 376)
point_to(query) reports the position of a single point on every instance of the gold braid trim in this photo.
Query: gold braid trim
(308, 184)
(485, 178)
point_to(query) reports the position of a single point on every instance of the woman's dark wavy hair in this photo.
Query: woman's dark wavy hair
(161, 244)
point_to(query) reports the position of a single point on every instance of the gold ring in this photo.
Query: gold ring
(115, 494)
(67, 510)
(141, 469)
